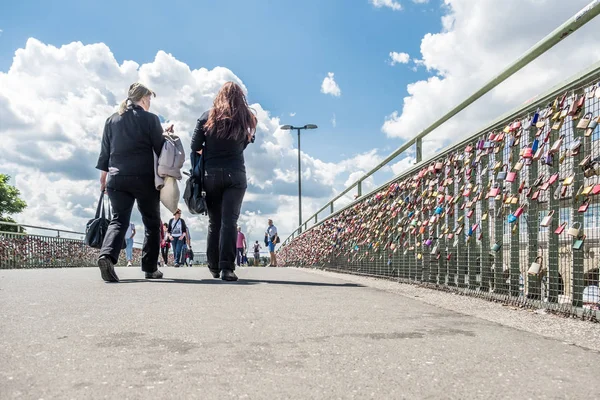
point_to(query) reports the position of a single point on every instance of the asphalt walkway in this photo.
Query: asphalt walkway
(277, 333)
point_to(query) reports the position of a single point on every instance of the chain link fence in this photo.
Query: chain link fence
(510, 214)
(41, 250)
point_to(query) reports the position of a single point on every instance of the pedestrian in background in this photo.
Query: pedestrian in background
(130, 138)
(241, 245)
(165, 243)
(272, 236)
(129, 243)
(222, 135)
(257, 254)
(177, 234)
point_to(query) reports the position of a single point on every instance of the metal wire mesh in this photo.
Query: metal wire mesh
(37, 251)
(513, 216)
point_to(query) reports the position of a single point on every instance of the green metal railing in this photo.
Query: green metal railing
(569, 27)
(477, 242)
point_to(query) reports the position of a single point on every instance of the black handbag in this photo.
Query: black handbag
(95, 229)
(194, 194)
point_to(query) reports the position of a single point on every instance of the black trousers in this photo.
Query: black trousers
(225, 189)
(165, 254)
(123, 191)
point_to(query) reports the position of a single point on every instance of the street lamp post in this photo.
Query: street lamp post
(299, 128)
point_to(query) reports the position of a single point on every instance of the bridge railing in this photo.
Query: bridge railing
(49, 248)
(472, 218)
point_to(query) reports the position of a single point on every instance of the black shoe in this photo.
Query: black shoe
(107, 269)
(228, 275)
(154, 275)
(176, 265)
(215, 273)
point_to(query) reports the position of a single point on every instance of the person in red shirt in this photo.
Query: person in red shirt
(240, 244)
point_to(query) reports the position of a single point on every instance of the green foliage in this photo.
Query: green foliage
(10, 203)
(8, 228)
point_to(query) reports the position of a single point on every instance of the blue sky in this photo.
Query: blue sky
(282, 50)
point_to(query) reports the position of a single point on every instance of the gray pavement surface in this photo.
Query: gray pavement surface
(278, 333)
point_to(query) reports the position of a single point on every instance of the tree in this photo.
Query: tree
(10, 203)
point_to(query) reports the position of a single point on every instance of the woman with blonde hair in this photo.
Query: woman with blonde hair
(126, 162)
(221, 136)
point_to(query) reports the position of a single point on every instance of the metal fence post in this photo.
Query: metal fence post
(485, 226)
(533, 230)
(453, 208)
(553, 243)
(419, 150)
(515, 242)
(578, 183)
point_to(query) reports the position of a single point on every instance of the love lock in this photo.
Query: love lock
(536, 266)
(574, 231)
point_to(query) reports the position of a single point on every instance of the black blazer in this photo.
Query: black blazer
(129, 141)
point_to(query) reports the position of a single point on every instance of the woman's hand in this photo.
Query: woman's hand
(170, 129)
(103, 181)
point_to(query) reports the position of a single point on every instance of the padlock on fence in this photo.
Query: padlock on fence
(496, 247)
(573, 230)
(502, 173)
(579, 242)
(434, 249)
(547, 220)
(536, 266)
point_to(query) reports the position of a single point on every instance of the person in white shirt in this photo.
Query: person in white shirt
(273, 239)
(129, 241)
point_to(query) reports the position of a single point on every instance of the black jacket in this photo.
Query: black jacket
(217, 152)
(129, 141)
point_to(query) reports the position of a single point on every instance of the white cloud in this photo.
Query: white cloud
(292, 114)
(333, 121)
(53, 104)
(329, 86)
(470, 50)
(420, 1)
(394, 5)
(399, 58)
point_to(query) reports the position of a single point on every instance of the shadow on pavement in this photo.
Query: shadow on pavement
(239, 282)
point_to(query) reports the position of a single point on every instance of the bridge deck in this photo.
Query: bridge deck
(278, 333)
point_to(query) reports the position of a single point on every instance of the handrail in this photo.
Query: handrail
(588, 75)
(586, 14)
(40, 227)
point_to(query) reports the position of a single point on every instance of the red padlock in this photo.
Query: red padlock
(583, 208)
(528, 152)
(519, 211)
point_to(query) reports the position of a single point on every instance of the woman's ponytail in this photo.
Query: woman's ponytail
(136, 92)
(123, 107)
